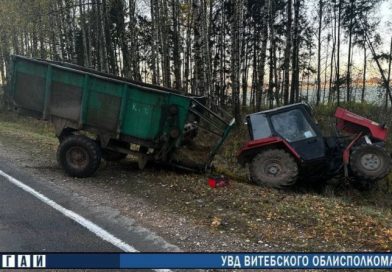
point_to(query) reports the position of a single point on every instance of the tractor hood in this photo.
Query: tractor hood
(353, 123)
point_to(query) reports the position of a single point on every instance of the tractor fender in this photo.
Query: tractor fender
(252, 148)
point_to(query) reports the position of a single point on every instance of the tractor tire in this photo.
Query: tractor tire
(79, 156)
(112, 156)
(370, 162)
(274, 168)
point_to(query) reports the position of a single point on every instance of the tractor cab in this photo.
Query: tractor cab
(294, 125)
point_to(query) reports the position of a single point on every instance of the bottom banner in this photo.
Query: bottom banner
(197, 260)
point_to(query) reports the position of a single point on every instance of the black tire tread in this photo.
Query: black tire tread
(92, 148)
(358, 173)
(287, 160)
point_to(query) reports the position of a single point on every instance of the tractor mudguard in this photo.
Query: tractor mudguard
(353, 123)
(251, 148)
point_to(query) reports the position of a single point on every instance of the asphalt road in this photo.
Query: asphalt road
(28, 223)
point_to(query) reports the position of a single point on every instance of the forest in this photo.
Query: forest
(243, 54)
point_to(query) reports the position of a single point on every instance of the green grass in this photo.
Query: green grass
(33, 131)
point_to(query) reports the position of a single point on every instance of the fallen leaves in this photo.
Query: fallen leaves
(216, 222)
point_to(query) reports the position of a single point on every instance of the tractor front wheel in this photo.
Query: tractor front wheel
(370, 162)
(274, 168)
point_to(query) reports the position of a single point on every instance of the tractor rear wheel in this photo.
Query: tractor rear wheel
(274, 168)
(79, 156)
(370, 162)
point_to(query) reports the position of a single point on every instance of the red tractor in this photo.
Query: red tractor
(286, 144)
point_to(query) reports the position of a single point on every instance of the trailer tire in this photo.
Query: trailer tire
(79, 156)
(370, 162)
(274, 168)
(65, 133)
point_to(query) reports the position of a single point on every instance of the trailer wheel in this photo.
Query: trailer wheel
(274, 168)
(370, 162)
(79, 156)
(67, 132)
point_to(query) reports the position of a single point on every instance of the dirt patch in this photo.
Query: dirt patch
(241, 217)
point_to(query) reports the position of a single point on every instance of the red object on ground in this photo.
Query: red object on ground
(212, 182)
(219, 181)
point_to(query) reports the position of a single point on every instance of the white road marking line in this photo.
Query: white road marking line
(97, 230)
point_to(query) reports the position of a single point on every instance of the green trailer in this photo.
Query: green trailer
(99, 115)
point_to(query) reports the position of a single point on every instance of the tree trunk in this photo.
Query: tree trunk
(235, 57)
(254, 70)
(364, 75)
(331, 85)
(207, 71)
(325, 72)
(263, 54)
(320, 15)
(134, 56)
(271, 84)
(295, 59)
(199, 80)
(286, 65)
(390, 64)
(62, 32)
(222, 58)
(155, 38)
(271, 49)
(86, 55)
(275, 75)
(389, 73)
(2, 65)
(176, 44)
(245, 64)
(164, 37)
(338, 54)
(188, 46)
(108, 44)
(348, 76)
